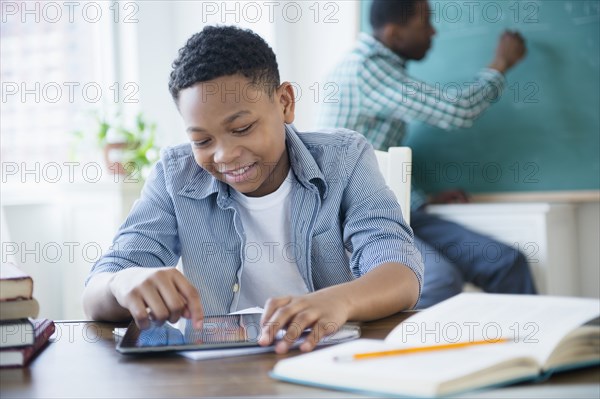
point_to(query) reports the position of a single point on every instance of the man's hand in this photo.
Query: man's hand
(510, 50)
(449, 197)
(322, 311)
(156, 295)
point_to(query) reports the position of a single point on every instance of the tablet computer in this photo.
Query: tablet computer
(217, 332)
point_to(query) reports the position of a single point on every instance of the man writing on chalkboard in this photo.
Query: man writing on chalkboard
(377, 98)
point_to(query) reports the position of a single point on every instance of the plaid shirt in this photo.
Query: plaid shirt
(377, 98)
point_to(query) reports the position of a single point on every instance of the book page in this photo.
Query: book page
(421, 374)
(254, 310)
(534, 323)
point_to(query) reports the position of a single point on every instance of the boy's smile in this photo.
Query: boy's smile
(239, 175)
(237, 131)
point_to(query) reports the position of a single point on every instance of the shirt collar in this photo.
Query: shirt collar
(307, 172)
(202, 184)
(303, 163)
(370, 46)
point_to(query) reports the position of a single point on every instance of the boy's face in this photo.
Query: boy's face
(237, 132)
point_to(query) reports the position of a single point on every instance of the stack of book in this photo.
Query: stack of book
(22, 336)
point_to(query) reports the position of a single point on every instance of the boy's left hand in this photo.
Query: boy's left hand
(323, 311)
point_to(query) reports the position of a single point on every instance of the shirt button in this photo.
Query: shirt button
(236, 287)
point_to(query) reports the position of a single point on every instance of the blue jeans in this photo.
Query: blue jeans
(454, 255)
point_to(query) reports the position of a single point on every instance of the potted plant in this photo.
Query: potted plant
(128, 149)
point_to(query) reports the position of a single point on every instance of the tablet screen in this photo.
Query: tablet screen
(229, 331)
(217, 332)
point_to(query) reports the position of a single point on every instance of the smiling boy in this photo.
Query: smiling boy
(260, 214)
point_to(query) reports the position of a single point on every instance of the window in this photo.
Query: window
(54, 67)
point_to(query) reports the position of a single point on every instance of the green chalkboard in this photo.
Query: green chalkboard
(543, 134)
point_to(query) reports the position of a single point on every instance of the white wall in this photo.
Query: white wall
(36, 240)
(309, 48)
(307, 37)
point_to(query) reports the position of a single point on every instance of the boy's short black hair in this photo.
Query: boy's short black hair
(391, 11)
(218, 51)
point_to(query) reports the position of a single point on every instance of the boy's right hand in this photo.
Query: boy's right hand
(158, 295)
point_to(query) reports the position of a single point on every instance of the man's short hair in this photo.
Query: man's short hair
(218, 51)
(391, 11)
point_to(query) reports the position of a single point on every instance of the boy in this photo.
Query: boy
(260, 214)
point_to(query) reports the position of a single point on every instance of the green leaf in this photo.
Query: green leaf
(141, 125)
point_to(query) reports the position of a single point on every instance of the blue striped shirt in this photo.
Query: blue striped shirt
(377, 98)
(345, 220)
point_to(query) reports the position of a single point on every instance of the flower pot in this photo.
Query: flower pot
(113, 157)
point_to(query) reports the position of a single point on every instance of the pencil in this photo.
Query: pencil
(417, 349)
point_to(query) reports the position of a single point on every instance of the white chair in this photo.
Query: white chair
(396, 167)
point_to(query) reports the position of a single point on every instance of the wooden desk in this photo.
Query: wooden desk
(82, 362)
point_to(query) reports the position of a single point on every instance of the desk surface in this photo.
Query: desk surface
(81, 361)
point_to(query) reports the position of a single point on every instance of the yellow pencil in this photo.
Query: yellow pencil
(418, 349)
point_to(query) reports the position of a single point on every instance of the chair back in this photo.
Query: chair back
(396, 167)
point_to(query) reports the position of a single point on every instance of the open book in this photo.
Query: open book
(543, 334)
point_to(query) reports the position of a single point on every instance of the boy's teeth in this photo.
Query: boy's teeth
(240, 171)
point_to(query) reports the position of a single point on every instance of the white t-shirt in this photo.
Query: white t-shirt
(269, 268)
